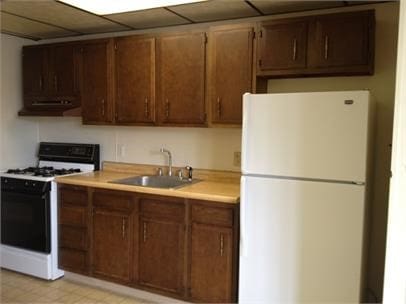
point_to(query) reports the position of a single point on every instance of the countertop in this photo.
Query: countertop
(210, 190)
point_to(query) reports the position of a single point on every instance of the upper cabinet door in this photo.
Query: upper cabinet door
(35, 71)
(96, 82)
(63, 78)
(135, 80)
(342, 41)
(282, 45)
(180, 79)
(230, 72)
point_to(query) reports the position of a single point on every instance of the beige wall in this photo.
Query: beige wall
(18, 136)
(382, 87)
(213, 148)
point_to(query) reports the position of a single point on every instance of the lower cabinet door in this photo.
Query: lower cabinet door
(161, 256)
(211, 278)
(112, 234)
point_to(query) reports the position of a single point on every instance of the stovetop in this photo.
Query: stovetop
(43, 171)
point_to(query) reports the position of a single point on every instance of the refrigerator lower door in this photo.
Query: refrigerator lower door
(301, 241)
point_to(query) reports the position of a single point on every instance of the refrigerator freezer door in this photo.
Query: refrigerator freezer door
(301, 241)
(319, 135)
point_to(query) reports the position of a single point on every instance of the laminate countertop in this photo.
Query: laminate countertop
(218, 191)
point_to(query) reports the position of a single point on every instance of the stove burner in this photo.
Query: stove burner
(43, 171)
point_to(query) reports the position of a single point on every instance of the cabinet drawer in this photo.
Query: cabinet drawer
(73, 215)
(71, 237)
(213, 215)
(73, 195)
(162, 209)
(75, 260)
(113, 200)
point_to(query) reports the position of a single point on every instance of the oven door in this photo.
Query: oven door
(25, 220)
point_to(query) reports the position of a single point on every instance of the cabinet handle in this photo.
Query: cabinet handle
(146, 109)
(145, 232)
(221, 244)
(56, 83)
(218, 107)
(123, 228)
(326, 47)
(294, 49)
(102, 102)
(167, 108)
(40, 83)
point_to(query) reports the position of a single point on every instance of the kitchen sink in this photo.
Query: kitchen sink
(155, 181)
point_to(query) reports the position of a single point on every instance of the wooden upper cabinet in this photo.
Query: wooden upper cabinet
(35, 71)
(96, 85)
(181, 79)
(50, 76)
(64, 77)
(230, 72)
(342, 41)
(135, 80)
(282, 45)
(325, 45)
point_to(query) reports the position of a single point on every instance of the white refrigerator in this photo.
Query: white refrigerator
(303, 197)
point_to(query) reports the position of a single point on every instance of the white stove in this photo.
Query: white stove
(29, 207)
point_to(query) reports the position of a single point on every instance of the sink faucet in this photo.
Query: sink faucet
(169, 160)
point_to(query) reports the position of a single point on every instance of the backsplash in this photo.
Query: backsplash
(198, 147)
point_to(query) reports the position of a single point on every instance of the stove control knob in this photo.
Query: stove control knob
(34, 184)
(26, 183)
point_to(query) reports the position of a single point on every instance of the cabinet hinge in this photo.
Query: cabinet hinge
(259, 62)
(253, 35)
(205, 38)
(115, 46)
(260, 34)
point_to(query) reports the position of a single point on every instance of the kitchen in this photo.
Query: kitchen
(211, 148)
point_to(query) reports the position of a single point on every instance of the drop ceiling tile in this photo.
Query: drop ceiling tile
(62, 15)
(280, 6)
(148, 18)
(28, 28)
(215, 10)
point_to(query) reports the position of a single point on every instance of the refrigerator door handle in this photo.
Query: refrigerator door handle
(243, 225)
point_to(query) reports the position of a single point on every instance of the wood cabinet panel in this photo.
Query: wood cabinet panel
(161, 256)
(211, 278)
(181, 79)
(230, 72)
(35, 71)
(113, 200)
(73, 195)
(97, 74)
(73, 237)
(73, 260)
(212, 215)
(73, 215)
(282, 45)
(112, 235)
(341, 40)
(135, 79)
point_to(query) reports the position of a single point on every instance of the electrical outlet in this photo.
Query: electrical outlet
(120, 150)
(237, 159)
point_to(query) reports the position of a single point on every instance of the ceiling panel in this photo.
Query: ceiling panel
(280, 6)
(28, 28)
(148, 18)
(215, 10)
(62, 15)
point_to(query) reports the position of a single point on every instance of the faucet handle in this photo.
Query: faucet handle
(159, 171)
(190, 172)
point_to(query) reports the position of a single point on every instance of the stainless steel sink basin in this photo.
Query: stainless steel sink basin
(155, 181)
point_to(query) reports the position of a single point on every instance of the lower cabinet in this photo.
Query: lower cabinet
(162, 244)
(174, 246)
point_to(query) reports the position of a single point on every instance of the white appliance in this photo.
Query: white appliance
(303, 197)
(29, 208)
